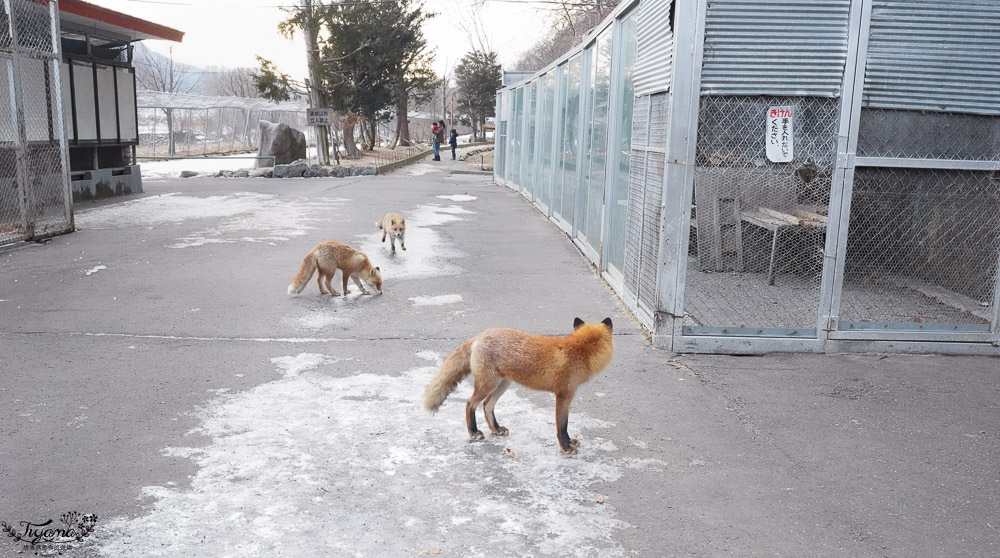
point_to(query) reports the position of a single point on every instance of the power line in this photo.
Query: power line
(577, 4)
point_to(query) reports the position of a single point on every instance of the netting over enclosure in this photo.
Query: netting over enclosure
(180, 125)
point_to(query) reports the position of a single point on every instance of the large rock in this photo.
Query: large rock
(293, 170)
(316, 170)
(282, 142)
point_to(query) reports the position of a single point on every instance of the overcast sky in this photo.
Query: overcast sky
(232, 32)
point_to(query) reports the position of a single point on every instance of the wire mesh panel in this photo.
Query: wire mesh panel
(758, 225)
(32, 26)
(12, 201)
(34, 183)
(922, 248)
(650, 121)
(928, 135)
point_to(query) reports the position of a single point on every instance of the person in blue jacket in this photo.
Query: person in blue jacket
(453, 142)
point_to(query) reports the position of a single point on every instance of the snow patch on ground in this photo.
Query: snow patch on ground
(436, 300)
(95, 269)
(319, 319)
(426, 254)
(239, 217)
(425, 166)
(459, 197)
(158, 170)
(328, 461)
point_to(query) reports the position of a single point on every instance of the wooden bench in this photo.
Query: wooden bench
(779, 221)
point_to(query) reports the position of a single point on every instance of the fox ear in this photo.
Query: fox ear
(607, 322)
(577, 322)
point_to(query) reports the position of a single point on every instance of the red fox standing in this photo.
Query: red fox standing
(328, 257)
(495, 357)
(395, 227)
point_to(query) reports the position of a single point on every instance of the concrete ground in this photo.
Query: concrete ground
(154, 372)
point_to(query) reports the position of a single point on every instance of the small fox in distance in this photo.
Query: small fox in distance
(496, 357)
(327, 258)
(394, 227)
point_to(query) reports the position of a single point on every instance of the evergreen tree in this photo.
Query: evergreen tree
(479, 76)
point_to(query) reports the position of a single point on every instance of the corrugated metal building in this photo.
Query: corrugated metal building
(784, 175)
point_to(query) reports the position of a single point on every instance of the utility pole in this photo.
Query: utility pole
(171, 146)
(444, 91)
(311, 32)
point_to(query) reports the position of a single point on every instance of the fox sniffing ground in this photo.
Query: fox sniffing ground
(394, 227)
(327, 258)
(496, 357)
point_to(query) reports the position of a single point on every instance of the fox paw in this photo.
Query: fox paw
(477, 435)
(571, 451)
(574, 446)
(501, 431)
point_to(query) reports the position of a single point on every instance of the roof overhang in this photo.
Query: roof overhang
(80, 17)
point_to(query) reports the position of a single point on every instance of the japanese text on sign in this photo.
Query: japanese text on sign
(779, 134)
(319, 117)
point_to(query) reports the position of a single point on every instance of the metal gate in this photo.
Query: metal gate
(920, 257)
(846, 179)
(35, 191)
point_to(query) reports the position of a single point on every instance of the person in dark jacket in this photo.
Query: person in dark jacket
(435, 142)
(453, 142)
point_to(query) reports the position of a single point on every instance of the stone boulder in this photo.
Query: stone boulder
(284, 143)
(316, 171)
(294, 170)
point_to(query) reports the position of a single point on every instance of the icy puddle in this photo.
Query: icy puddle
(426, 254)
(240, 217)
(315, 465)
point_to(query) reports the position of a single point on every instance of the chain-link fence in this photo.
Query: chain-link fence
(842, 191)
(34, 183)
(759, 226)
(178, 125)
(922, 248)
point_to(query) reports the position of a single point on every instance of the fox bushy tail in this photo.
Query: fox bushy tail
(303, 276)
(455, 368)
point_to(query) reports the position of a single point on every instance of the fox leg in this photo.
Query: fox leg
(490, 403)
(482, 389)
(358, 282)
(344, 276)
(319, 282)
(383, 235)
(566, 444)
(329, 287)
(402, 241)
(392, 242)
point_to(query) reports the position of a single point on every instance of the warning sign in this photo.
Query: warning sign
(779, 134)
(319, 116)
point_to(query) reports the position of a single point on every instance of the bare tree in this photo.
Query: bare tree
(470, 21)
(572, 21)
(231, 82)
(155, 72)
